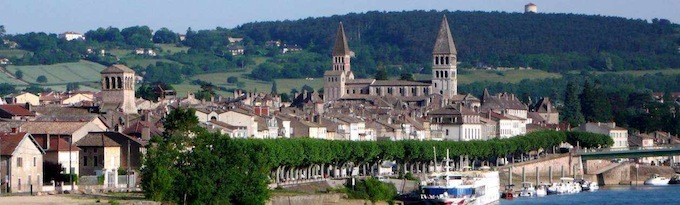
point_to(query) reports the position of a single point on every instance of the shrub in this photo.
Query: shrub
(372, 189)
(41, 79)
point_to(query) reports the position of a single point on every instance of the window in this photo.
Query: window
(35, 161)
(95, 161)
(446, 73)
(447, 60)
(447, 132)
(85, 161)
(19, 162)
(436, 61)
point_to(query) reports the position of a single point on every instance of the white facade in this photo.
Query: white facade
(618, 134)
(69, 36)
(63, 158)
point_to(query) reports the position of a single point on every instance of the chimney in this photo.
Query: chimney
(15, 130)
(146, 132)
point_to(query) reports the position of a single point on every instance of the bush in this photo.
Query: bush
(19, 74)
(41, 79)
(372, 189)
(232, 79)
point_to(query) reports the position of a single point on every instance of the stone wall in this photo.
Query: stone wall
(317, 199)
(556, 162)
(615, 175)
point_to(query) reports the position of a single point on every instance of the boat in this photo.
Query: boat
(509, 192)
(541, 190)
(657, 180)
(588, 185)
(675, 179)
(478, 187)
(567, 185)
(528, 190)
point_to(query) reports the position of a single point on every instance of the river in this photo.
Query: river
(610, 195)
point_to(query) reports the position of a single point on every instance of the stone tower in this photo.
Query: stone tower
(118, 88)
(334, 80)
(444, 74)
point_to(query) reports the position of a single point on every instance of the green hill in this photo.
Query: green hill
(61, 73)
(552, 42)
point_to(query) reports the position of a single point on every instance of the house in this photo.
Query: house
(289, 48)
(545, 108)
(22, 98)
(77, 98)
(224, 128)
(302, 128)
(145, 51)
(103, 153)
(618, 134)
(21, 160)
(456, 123)
(16, 112)
(69, 36)
(235, 50)
(271, 43)
(59, 151)
(504, 103)
(508, 125)
(5, 61)
(234, 39)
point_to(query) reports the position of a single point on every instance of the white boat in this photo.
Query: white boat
(528, 190)
(478, 187)
(588, 185)
(565, 186)
(541, 190)
(657, 180)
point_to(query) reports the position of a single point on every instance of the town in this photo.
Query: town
(113, 139)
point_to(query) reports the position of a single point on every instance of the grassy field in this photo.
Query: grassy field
(61, 73)
(644, 72)
(220, 79)
(169, 49)
(509, 76)
(144, 62)
(9, 53)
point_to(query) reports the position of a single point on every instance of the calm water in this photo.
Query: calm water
(610, 195)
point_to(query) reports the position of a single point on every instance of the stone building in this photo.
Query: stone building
(118, 89)
(339, 83)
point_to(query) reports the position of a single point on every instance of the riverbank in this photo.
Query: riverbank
(73, 199)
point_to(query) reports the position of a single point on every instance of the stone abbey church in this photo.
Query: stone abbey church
(340, 83)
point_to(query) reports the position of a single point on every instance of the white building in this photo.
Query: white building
(530, 8)
(69, 36)
(457, 124)
(618, 134)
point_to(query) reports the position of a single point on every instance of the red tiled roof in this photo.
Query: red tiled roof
(9, 142)
(17, 110)
(59, 144)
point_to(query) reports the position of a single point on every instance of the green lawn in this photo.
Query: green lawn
(8, 53)
(644, 72)
(144, 62)
(220, 79)
(61, 73)
(4, 78)
(169, 49)
(120, 53)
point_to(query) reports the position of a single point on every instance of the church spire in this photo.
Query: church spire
(341, 48)
(444, 43)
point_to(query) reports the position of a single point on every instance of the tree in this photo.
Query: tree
(6, 88)
(72, 86)
(307, 88)
(181, 121)
(381, 74)
(165, 35)
(285, 97)
(2, 30)
(274, 89)
(41, 79)
(19, 74)
(406, 76)
(232, 79)
(35, 89)
(572, 106)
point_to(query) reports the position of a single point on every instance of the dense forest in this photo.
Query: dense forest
(397, 42)
(553, 42)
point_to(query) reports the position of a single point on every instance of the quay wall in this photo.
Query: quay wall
(318, 199)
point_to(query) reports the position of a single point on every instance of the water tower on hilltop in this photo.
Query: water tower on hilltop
(530, 8)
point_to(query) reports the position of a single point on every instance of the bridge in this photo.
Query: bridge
(634, 152)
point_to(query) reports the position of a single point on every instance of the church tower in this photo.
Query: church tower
(334, 80)
(118, 88)
(444, 74)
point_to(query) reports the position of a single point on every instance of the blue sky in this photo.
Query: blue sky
(56, 16)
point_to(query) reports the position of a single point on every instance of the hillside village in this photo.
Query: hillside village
(102, 136)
